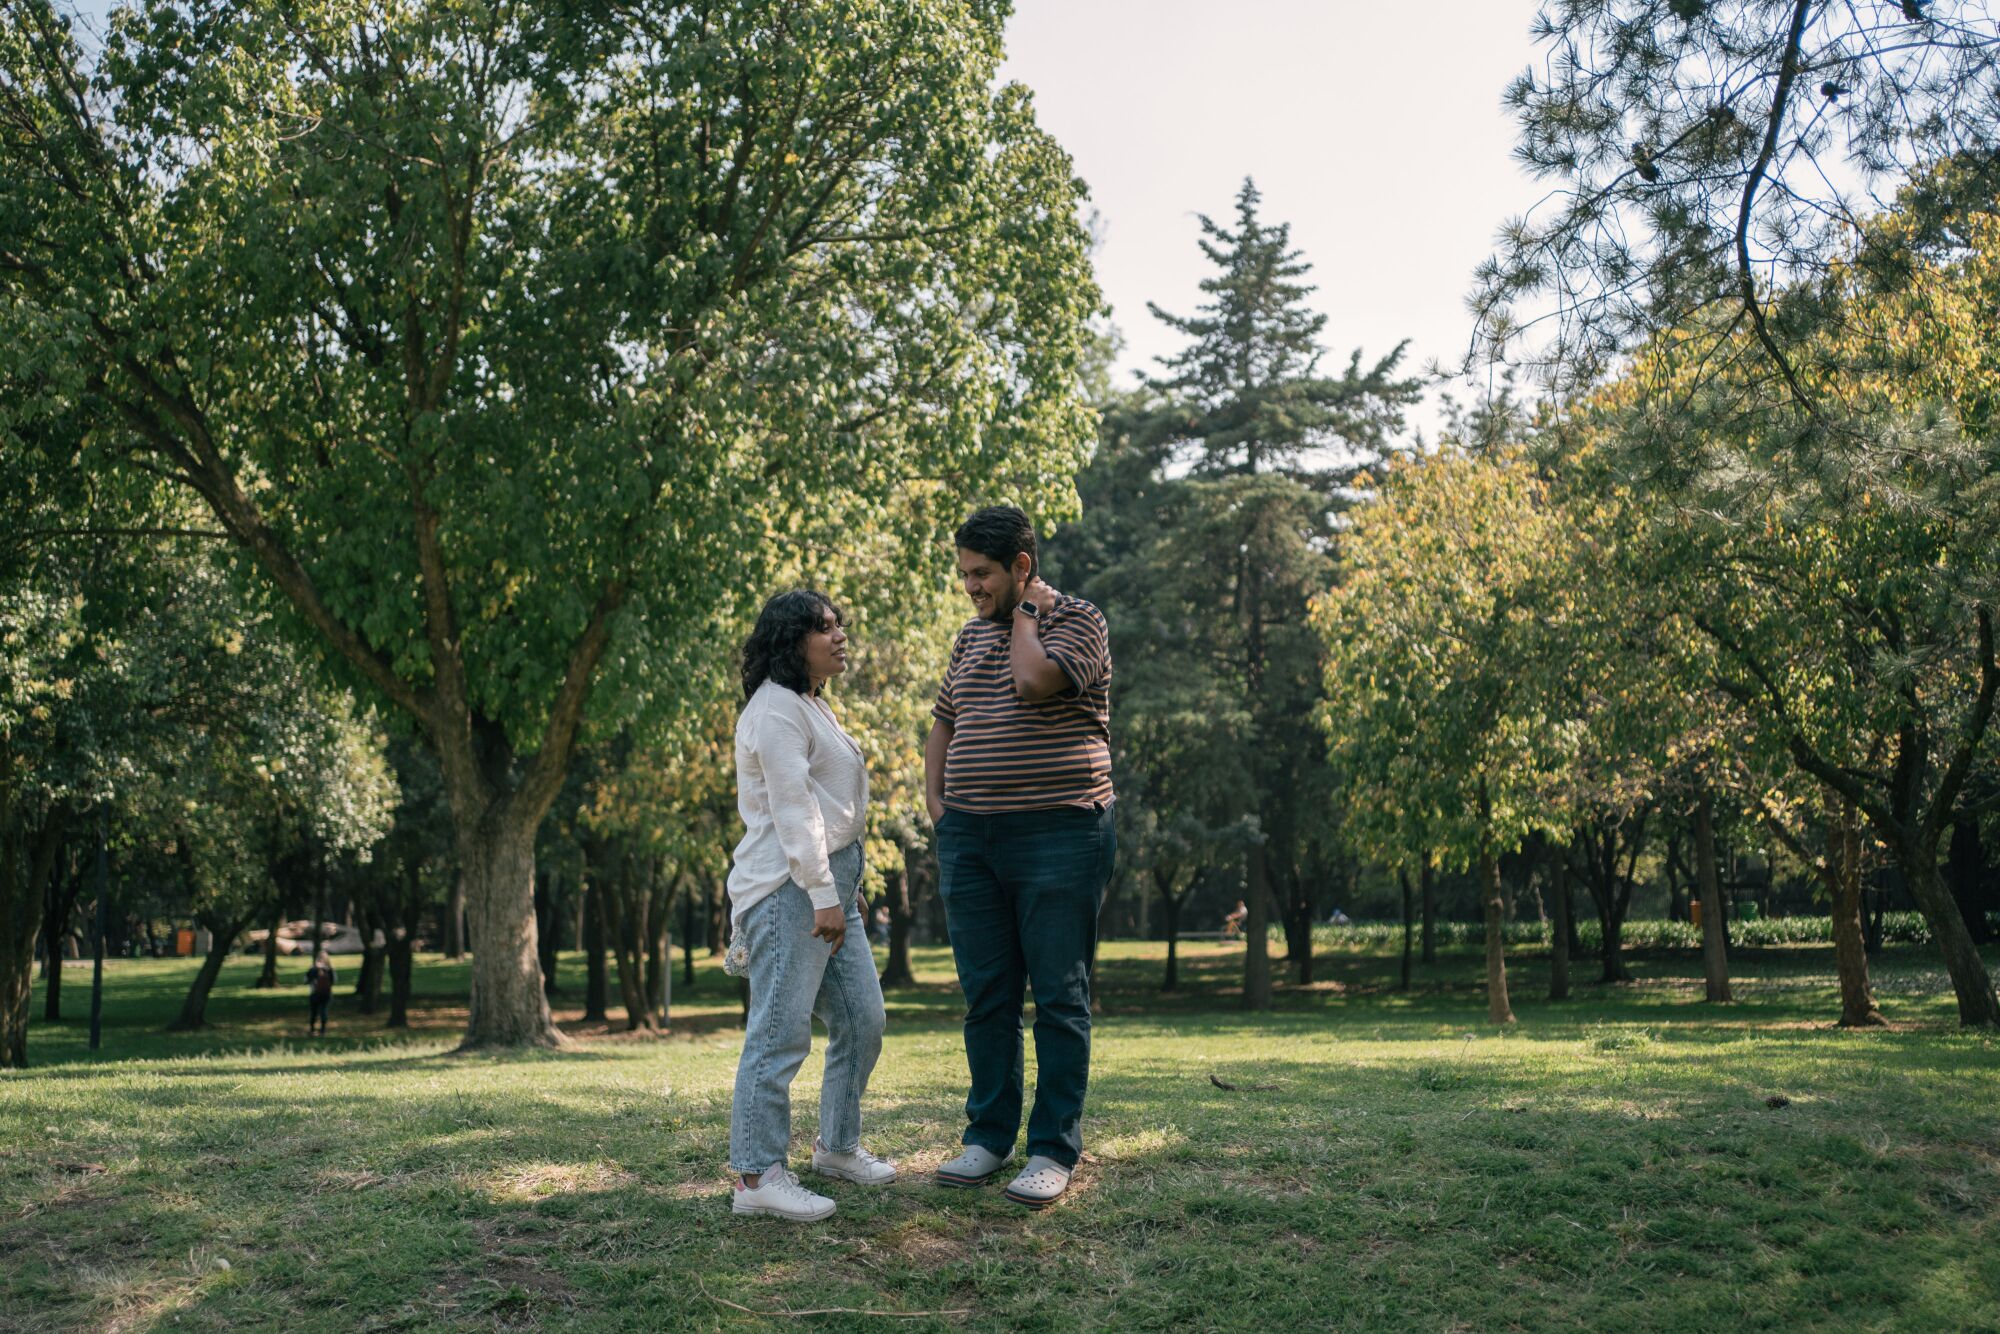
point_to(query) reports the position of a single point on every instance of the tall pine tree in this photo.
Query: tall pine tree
(1257, 445)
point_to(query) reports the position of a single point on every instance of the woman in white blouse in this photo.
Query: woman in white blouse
(802, 789)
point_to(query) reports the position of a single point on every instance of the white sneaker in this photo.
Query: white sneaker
(857, 1165)
(778, 1192)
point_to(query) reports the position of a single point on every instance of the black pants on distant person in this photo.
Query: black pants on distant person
(1021, 891)
(316, 1019)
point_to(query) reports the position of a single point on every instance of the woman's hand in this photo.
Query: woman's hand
(830, 925)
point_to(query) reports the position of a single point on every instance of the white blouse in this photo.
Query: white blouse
(802, 790)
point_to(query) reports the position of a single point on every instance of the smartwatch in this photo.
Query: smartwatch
(1029, 609)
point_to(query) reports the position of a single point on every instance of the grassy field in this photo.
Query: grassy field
(1387, 1161)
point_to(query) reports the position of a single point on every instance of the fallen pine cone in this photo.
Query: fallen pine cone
(1777, 1100)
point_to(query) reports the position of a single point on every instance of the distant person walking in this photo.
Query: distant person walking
(802, 790)
(319, 994)
(1017, 774)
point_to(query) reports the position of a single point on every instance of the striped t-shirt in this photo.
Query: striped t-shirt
(1011, 755)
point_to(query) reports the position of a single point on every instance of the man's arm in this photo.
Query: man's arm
(1037, 676)
(935, 746)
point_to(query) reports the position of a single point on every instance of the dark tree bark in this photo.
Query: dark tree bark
(1257, 934)
(1972, 879)
(1427, 893)
(630, 904)
(1409, 925)
(897, 892)
(1559, 928)
(1714, 943)
(1170, 906)
(1603, 848)
(59, 906)
(594, 988)
(1843, 882)
(401, 967)
(1298, 915)
(27, 863)
(267, 977)
(368, 983)
(402, 944)
(716, 900)
(1493, 894)
(687, 939)
(548, 910)
(222, 934)
(659, 948)
(454, 920)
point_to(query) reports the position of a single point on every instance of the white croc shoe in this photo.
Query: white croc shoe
(857, 1165)
(974, 1167)
(1040, 1184)
(779, 1194)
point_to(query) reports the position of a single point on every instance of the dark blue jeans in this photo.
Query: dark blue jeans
(1021, 892)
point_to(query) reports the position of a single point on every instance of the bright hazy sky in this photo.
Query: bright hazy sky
(1375, 130)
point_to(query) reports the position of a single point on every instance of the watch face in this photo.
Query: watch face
(1030, 608)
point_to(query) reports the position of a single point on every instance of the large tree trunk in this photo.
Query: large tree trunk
(497, 861)
(1409, 925)
(1978, 1007)
(25, 868)
(1714, 941)
(896, 892)
(1493, 892)
(1850, 952)
(1559, 926)
(194, 1009)
(1257, 935)
(1427, 894)
(594, 982)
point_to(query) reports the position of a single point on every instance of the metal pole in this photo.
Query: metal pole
(97, 948)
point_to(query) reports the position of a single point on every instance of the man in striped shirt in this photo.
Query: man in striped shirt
(1017, 771)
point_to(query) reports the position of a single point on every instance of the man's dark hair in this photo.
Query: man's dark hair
(1000, 532)
(776, 648)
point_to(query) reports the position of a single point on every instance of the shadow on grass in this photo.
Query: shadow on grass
(1593, 1171)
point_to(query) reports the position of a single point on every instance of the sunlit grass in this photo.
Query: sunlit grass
(1386, 1160)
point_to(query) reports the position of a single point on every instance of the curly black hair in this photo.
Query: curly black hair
(1000, 532)
(776, 648)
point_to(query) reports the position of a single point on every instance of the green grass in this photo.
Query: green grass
(1612, 1163)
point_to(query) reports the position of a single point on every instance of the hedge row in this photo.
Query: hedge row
(1900, 928)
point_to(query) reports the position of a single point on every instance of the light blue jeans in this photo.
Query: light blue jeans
(793, 977)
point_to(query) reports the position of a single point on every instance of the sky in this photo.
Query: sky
(1375, 130)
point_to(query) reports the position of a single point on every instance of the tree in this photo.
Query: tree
(1702, 153)
(1438, 711)
(497, 338)
(1837, 558)
(1270, 442)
